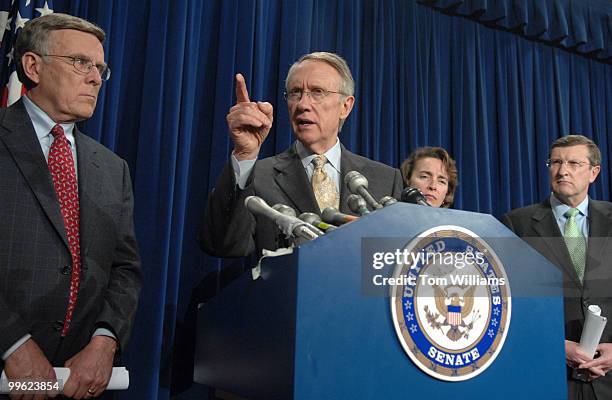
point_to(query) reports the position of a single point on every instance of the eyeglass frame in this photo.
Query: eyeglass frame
(323, 92)
(574, 165)
(104, 75)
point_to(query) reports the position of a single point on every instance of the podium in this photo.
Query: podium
(308, 328)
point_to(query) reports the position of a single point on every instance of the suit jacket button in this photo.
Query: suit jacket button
(58, 325)
(65, 270)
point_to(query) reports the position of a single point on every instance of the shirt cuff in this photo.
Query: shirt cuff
(104, 332)
(242, 170)
(15, 346)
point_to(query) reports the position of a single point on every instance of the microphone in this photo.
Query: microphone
(358, 184)
(414, 196)
(290, 226)
(315, 220)
(387, 201)
(283, 209)
(357, 204)
(335, 217)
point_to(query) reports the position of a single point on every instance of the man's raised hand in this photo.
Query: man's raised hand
(249, 122)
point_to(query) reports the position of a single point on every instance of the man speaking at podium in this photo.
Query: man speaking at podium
(572, 231)
(308, 176)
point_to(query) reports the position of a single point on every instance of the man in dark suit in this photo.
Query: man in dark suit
(69, 263)
(573, 231)
(308, 176)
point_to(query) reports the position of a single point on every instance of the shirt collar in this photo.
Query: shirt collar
(332, 155)
(43, 123)
(560, 208)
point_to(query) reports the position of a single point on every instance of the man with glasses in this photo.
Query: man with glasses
(308, 176)
(572, 231)
(69, 262)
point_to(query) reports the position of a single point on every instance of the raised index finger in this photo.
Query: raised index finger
(242, 95)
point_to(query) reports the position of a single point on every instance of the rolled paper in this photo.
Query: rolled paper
(594, 325)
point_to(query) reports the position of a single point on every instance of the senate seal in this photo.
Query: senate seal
(452, 312)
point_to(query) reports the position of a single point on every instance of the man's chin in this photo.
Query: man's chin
(307, 135)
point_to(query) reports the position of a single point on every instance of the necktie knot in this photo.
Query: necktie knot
(57, 131)
(571, 213)
(319, 161)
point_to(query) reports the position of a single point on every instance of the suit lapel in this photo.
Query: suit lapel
(600, 230)
(293, 181)
(21, 141)
(90, 184)
(547, 228)
(347, 165)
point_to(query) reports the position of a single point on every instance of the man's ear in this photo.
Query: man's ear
(347, 106)
(31, 66)
(594, 172)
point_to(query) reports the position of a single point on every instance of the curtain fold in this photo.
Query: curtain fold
(581, 26)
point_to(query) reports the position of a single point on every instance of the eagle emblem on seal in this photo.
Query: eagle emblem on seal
(455, 314)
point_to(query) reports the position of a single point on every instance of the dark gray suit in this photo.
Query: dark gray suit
(230, 230)
(536, 224)
(34, 254)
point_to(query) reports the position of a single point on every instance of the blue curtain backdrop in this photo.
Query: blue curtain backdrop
(494, 82)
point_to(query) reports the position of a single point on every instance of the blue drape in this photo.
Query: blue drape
(581, 26)
(494, 98)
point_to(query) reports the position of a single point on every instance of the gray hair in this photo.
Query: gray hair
(347, 83)
(34, 37)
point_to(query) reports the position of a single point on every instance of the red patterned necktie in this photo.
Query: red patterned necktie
(61, 166)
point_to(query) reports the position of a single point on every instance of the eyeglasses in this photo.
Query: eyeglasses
(316, 95)
(85, 65)
(572, 164)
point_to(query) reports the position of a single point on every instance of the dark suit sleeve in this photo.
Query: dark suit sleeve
(228, 228)
(12, 327)
(121, 294)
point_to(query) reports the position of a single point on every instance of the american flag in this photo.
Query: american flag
(454, 315)
(13, 16)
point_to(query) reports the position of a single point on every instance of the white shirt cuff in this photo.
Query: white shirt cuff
(103, 332)
(242, 170)
(15, 346)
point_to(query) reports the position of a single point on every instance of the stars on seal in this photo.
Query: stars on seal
(494, 322)
(410, 317)
(496, 311)
(407, 304)
(413, 328)
(490, 333)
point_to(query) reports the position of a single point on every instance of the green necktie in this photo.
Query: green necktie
(575, 241)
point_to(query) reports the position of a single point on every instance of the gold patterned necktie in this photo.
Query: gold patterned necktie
(575, 242)
(324, 188)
